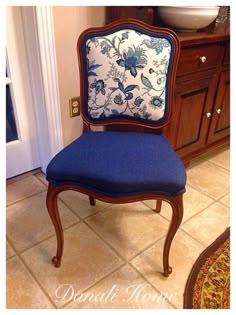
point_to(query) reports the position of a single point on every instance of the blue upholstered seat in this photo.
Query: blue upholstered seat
(119, 164)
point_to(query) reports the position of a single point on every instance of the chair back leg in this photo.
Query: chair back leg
(158, 206)
(92, 201)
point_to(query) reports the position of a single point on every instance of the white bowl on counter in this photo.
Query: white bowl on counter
(182, 18)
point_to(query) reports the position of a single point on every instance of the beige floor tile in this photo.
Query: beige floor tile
(23, 188)
(41, 176)
(124, 288)
(184, 252)
(86, 260)
(209, 178)
(9, 250)
(129, 228)
(209, 224)
(28, 221)
(22, 291)
(225, 200)
(80, 203)
(221, 158)
(194, 202)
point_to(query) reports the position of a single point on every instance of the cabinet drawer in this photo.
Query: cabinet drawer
(199, 58)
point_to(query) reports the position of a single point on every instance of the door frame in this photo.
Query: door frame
(38, 31)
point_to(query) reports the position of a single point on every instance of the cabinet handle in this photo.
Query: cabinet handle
(208, 115)
(203, 59)
(218, 110)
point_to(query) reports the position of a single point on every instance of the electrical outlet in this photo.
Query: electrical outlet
(74, 106)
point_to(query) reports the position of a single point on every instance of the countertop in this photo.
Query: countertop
(201, 37)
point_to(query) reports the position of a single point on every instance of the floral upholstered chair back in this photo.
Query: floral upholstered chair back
(127, 73)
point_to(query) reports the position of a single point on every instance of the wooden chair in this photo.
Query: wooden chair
(127, 75)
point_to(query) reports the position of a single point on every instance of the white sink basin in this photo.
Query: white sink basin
(183, 18)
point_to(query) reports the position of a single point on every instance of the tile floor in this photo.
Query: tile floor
(113, 253)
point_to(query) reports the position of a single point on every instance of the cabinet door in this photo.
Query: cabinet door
(189, 126)
(220, 124)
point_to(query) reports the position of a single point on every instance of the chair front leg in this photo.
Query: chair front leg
(52, 206)
(177, 215)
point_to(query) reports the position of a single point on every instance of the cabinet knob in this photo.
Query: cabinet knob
(218, 110)
(208, 115)
(203, 59)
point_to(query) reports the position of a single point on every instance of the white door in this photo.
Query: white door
(22, 152)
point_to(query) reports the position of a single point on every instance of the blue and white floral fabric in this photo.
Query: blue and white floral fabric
(127, 75)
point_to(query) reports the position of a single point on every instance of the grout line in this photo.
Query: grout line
(223, 197)
(160, 213)
(41, 179)
(123, 258)
(90, 228)
(196, 214)
(37, 281)
(33, 276)
(81, 218)
(146, 280)
(112, 272)
(97, 233)
(193, 237)
(146, 248)
(223, 204)
(24, 198)
(97, 282)
(7, 239)
(99, 211)
(214, 163)
(68, 207)
(106, 242)
(19, 252)
(204, 193)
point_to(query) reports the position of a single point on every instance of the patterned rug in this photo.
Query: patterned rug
(208, 285)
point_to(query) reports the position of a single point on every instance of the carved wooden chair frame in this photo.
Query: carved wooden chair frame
(175, 202)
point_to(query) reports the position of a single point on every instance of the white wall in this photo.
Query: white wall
(69, 22)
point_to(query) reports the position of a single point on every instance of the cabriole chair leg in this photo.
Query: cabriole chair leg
(55, 217)
(177, 215)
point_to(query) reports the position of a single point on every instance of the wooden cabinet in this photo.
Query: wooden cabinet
(193, 101)
(201, 119)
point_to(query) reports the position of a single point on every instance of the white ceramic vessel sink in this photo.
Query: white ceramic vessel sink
(188, 18)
